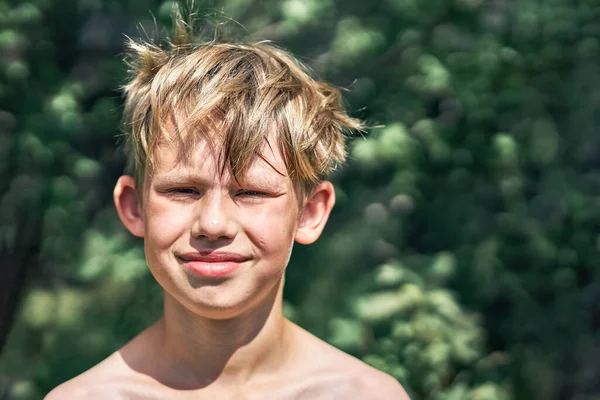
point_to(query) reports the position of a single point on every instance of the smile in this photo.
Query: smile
(213, 264)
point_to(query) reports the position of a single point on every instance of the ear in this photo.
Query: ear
(315, 213)
(128, 205)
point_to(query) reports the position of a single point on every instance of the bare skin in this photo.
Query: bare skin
(307, 368)
(225, 337)
(288, 364)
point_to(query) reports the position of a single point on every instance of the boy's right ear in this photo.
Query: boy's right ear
(128, 205)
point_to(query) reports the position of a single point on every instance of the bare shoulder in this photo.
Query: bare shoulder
(367, 382)
(348, 373)
(377, 385)
(119, 376)
(99, 382)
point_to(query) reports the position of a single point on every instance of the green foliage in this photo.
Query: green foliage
(463, 255)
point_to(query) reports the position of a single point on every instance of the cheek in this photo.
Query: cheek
(165, 225)
(272, 231)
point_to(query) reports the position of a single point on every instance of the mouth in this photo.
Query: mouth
(212, 264)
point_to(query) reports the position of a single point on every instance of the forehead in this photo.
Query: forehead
(206, 158)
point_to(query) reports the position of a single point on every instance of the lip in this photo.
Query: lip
(212, 264)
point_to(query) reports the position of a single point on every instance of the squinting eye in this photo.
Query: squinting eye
(184, 191)
(252, 193)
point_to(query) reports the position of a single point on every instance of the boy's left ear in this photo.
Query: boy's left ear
(315, 213)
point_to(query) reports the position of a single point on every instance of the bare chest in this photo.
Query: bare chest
(310, 388)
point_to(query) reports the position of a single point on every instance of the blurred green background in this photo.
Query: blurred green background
(463, 256)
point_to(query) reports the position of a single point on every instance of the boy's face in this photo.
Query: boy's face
(216, 245)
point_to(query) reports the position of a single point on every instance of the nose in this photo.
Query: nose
(213, 220)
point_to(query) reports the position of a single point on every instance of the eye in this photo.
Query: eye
(251, 193)
(183, 191)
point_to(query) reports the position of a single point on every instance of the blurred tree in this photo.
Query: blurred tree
(463, 255)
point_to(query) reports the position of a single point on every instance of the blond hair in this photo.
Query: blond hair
(241, 90)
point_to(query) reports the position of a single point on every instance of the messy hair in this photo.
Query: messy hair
(242, 90)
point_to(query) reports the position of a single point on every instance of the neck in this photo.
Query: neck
(205, 351)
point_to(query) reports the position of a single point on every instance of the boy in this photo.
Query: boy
(228, 146)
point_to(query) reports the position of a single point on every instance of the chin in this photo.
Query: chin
(216, 302)
(220, 299)
(225, 303)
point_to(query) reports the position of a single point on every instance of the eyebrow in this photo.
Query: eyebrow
(246, 181)
(268, 183)
(179, 178)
